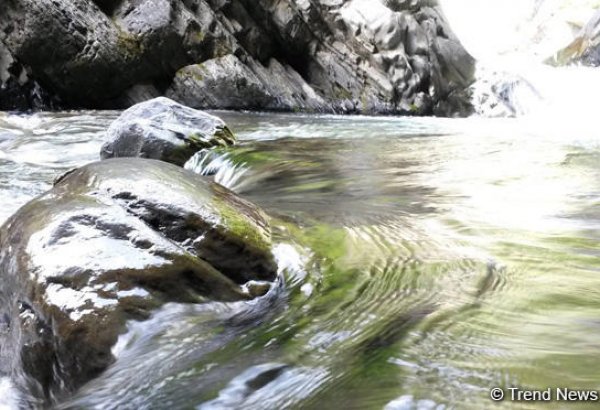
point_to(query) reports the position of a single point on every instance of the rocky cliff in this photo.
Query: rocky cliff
(343, 56)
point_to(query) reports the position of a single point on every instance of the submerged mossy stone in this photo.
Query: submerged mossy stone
(110, 242)
(165, 130)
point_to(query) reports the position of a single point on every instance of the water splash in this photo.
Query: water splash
(218, 164)
(269, 385)
(9, 398)
(511, 39)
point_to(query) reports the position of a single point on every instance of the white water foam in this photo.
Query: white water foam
(224, 170)
(510, 40)
(9, 398)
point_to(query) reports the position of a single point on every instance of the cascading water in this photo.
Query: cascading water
(511, 40)
(426, 260)
(218, 164)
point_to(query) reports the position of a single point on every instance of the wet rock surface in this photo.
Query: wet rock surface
(110, 242)
(352, 56)
(18, 91)
(164, 130)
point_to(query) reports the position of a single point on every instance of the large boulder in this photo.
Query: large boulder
(165, 130)
(90, 54)
(343, 56)
(110, 242)
(223, 82)
(228, 82)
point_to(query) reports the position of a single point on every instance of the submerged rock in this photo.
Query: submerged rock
(110, 242)
(165, 130)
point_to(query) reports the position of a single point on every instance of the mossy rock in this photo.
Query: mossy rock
(110, 242)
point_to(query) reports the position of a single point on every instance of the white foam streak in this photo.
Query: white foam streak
(224, 170)
(9, 398)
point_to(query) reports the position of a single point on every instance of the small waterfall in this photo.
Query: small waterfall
(218, 164)
(499, 93)
(535, 90)
(511, 39)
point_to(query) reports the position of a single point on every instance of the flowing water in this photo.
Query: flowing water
(425, 261)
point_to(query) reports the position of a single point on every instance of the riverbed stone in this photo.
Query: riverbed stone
(110, 242)
(165, 130)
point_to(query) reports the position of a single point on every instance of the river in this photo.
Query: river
(424, 262)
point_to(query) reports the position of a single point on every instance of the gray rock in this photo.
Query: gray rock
(226, 82)
(223, 82)
(355, 63)
(110, 242)
(18, 91)
(172, 33)
(90, 58)
(584, 49)
(289, 90)
(71, 46)
(352, 56)
(164, 130)
(6, 61)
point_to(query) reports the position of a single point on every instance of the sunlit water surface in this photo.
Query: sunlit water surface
(425, 262)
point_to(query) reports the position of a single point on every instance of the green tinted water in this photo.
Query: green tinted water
(425, 262)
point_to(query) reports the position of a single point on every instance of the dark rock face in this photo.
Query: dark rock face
(165, 130)
(327, 57)
(18, 91)
(90, 58)
(368, 56)
(109, 242)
